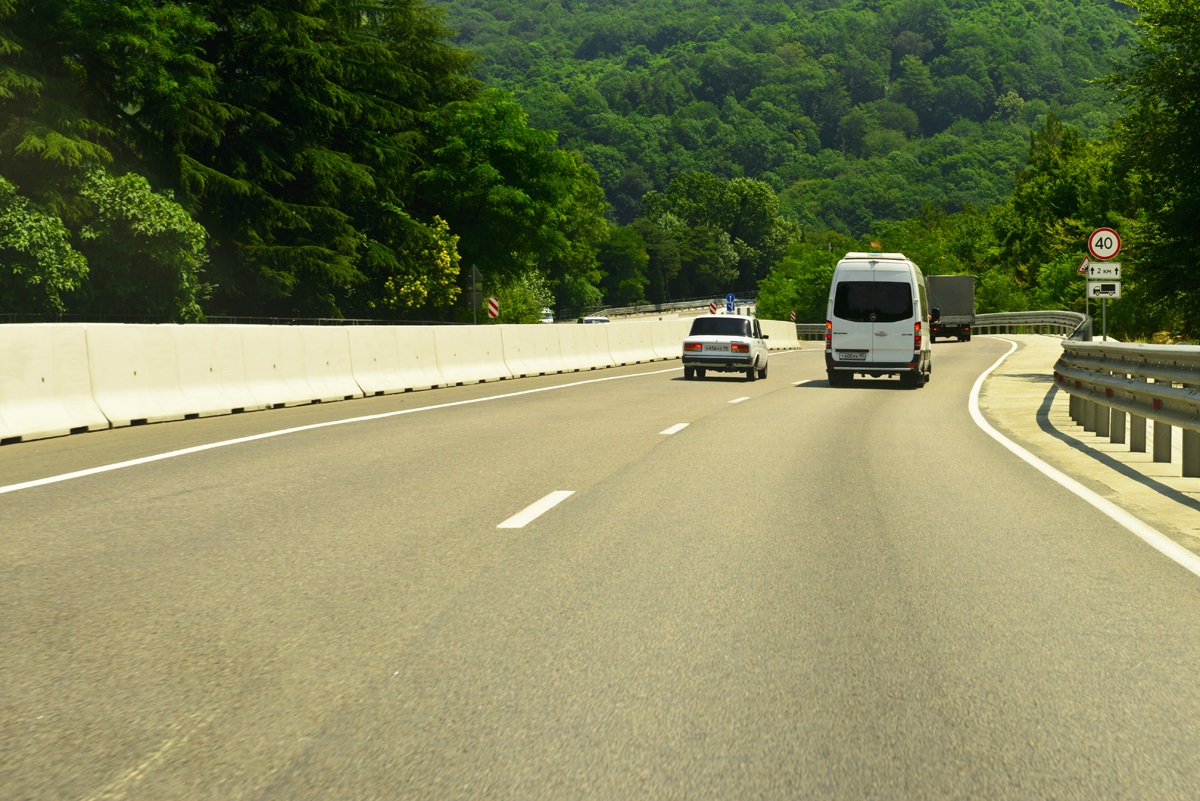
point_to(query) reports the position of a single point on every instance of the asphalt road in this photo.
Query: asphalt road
(803, 592)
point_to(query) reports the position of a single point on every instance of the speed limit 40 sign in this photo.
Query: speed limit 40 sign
(1103, 244)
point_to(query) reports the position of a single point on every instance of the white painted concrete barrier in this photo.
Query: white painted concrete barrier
(632, 342)
(388, 359)
(781, 333)
(212, 370)
(531, 350)
(584, 347)
(470, 354)
(45, 382)
(667, 337)
(135, 373)
(293, 365)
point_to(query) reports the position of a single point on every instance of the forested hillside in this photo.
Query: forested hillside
(854, 111)
(325, 158)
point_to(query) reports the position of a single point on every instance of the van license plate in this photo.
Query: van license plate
(852, 355)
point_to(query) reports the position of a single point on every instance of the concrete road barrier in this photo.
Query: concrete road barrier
(668, 338)
(781, 333)
(393, 358)
(531, 350)
(45, 382)
(294, 365)
(632, 342)
(212, 370)
(135, 373)
(584, 347)
(470, 354)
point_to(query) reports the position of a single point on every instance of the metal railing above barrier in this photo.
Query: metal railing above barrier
(1108, 381)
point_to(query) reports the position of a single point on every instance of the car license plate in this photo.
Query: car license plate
(717, 347)
(852, 355)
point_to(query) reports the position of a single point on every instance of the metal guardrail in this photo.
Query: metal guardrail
(1061, 323)
(1108, 381)
(690, 304)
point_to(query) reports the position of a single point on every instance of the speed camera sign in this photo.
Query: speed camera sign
(1103, 244)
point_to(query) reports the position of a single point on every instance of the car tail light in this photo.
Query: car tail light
(916, 336)
(693, 346)
(739, 347)
(829, 335)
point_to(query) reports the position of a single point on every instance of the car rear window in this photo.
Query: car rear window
(715, 325)
(888, 301)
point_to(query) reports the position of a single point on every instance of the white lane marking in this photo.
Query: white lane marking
(536, 510)
(120, 787)
(1152, 536)
(158, 457)
(675, 429)
(805, 381)
(739, 400)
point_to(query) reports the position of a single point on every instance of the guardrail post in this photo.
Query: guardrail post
(1103, 420)
(1162, 442)
(1137, 430)
(1191, 454)
(1118, 427)
(1089, 415)
(1073, 408)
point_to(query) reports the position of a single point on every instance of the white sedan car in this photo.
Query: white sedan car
(728, 343)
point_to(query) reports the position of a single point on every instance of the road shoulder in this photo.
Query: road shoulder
(1022, 401)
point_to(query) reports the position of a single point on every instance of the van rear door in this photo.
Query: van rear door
(894, 315)
(879, 309)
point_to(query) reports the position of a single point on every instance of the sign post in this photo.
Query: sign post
(1103, 244)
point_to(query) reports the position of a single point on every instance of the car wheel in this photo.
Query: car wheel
(689, 373)
(700, 372)
(750, 373)
(763, 372)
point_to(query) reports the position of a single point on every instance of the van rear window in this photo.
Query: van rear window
(714, 325)
(888, 301)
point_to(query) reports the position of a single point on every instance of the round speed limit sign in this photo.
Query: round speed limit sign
(1103, 244)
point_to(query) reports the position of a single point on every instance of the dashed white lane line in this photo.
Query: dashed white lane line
(1152, 536)
(739, 400)
(675, 429)
(536, 510)
(91, 471)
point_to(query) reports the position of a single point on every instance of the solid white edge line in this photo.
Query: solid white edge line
(675, 429)
(1150, 535)
(536, 510)
(91, 471)
(739, 400)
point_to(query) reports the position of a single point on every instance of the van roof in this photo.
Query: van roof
(875, 257)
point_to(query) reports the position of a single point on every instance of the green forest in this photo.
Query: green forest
(314, 159)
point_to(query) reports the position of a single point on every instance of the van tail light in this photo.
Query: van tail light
(829, 335)
(739, 347)
(916, 336)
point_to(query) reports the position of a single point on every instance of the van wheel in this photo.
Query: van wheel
(839, 379)
(689, 373)
(912, 380)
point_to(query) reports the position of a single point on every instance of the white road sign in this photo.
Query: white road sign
(1108, 269)
(1103, 244)
(1104, 289)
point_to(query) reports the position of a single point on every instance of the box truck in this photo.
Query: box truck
(954, 297)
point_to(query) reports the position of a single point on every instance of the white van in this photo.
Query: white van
(878, 319)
